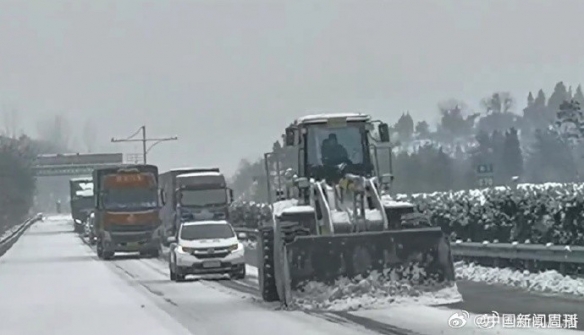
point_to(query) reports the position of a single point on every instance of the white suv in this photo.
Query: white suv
(206, 247)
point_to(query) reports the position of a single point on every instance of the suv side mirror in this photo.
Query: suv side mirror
(171, 239)
(242, 236)
(162, 197)
(383, 133)
(289, 137)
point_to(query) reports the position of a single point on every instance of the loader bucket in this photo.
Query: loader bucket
(393, 254)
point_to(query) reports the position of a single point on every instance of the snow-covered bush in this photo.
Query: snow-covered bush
(538, 213)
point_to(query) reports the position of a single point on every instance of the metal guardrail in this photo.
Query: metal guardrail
(526, 252)
(563, 254)
(20, 229)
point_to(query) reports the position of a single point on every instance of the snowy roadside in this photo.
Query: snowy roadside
(5, 234)
(546, 282)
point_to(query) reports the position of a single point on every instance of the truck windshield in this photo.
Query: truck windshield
(130, 198)
(206, 232)
(83, 203)
(201, 198)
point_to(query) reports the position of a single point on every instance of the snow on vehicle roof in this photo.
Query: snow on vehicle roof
(88, 192)
(200, 174)
(189, 169)
(320, 118)
(297, 209)
(88, 179)
(196, 223)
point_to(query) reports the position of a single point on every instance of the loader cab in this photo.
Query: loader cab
(331, 145)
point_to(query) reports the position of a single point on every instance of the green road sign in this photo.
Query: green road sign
(485, 168)
(74, 164)
(486, 182)
(70, 170)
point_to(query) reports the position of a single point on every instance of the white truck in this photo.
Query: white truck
(193, 194)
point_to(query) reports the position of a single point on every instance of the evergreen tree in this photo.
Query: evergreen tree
(559, 95)
(422, 130)
(579, 96)
(444, 168)
(550, 159)
(535, 115)
(512, 155)
(405, 127)
(530, 100)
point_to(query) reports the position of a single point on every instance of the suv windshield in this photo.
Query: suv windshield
(206, 232)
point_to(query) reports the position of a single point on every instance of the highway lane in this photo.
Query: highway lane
(52, 283)
(481, 298)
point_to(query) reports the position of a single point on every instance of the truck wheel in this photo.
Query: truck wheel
(266, 273)
(155, 253)
(172, 274)
(99, 250)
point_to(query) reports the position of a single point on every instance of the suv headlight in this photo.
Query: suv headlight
(235, 247)
(184, 250)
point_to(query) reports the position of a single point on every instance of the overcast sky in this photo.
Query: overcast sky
(227, 77)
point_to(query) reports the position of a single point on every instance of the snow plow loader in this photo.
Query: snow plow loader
(333, 220)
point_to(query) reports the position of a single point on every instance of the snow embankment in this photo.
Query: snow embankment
(548, 281)
(377, 292)
(374, 292)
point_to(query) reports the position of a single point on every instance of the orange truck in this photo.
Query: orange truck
(127, 206)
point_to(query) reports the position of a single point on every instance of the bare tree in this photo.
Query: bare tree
(89, 135)
(456, 120)
(11, 122)
(55, 130)
(498, 102)
(498, 112)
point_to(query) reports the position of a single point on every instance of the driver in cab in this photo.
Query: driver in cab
(333, 153)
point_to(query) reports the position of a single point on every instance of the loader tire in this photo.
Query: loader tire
(266, 274)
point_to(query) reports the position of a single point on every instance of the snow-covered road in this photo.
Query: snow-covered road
(52, 283)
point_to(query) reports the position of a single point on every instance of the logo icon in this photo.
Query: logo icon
(458, 320)
(131, 218)
(487, 321)
(211, 251)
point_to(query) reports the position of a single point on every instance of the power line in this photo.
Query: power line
(144, 141)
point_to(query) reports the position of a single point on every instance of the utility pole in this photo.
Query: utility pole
(144, 140)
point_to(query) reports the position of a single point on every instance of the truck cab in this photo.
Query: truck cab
(127, 206)
(80, 200)
(202, 196)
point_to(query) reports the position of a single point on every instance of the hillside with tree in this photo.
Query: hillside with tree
(535, 141)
